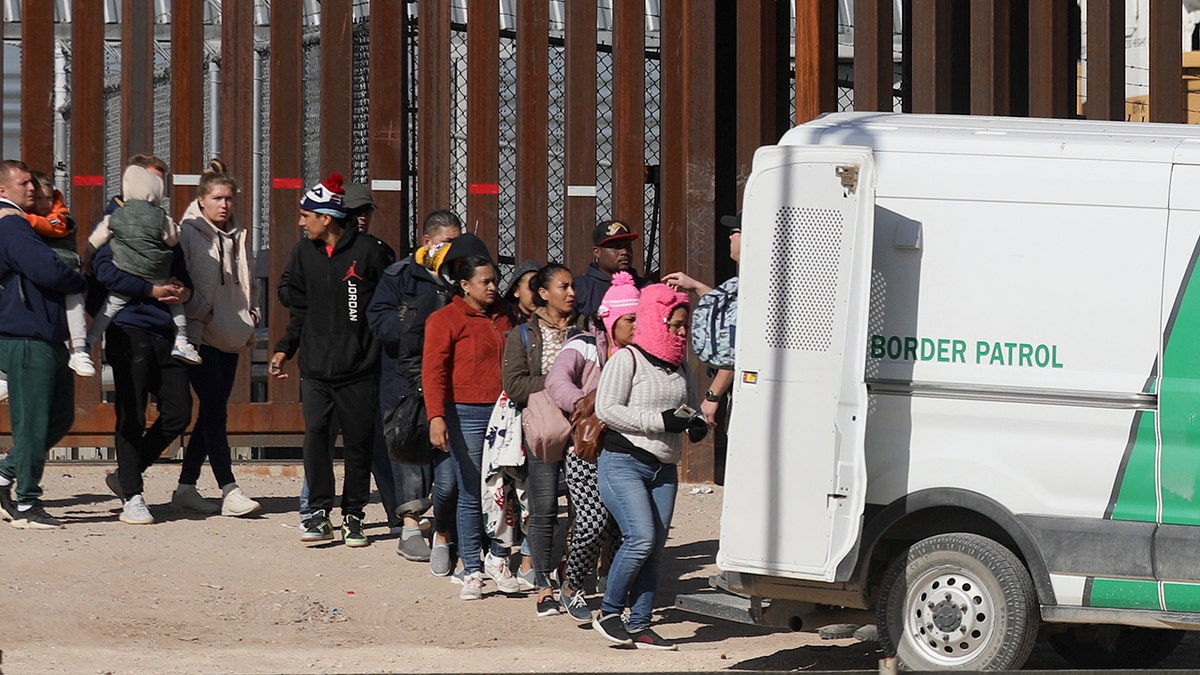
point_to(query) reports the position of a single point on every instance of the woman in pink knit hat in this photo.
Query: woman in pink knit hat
(648, 399)
(572, 382)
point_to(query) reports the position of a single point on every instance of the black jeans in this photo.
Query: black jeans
(213, 383)
(142, 365)
(541, 489)
(355, 404)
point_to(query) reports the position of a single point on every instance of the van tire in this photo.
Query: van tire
(984, 608)
(1102, 647)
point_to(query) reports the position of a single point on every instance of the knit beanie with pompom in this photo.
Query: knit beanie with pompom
(620, 299)
(654, 309)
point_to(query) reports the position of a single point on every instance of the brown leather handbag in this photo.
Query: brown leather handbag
(588, 433)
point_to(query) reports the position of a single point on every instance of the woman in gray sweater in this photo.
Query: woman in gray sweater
(647, 398)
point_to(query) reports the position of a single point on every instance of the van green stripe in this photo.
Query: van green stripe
(1123, 594)
(1135, 497)
(1182, 597)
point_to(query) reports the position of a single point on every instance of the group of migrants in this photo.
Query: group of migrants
(558, 375)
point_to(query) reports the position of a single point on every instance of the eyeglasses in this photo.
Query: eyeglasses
(677, 327)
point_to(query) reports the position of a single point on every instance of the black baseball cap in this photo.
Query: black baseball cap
(732, 222)
(611, 231)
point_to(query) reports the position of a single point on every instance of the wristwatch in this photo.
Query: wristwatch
(711, 397)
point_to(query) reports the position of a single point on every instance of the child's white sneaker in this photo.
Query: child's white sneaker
(184, 351)
(81, 363)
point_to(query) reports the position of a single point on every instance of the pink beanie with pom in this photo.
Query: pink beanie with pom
(620, 299)
(654, 309)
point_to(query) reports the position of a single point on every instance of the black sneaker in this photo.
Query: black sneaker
(7, 507)
(648, 639)
(352, 531)
(317, 527)
(612, 628)
(547, 606)
(35, 518)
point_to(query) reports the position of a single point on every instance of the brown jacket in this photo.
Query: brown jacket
(522, 373)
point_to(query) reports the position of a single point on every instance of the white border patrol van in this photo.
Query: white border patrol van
(967, 387)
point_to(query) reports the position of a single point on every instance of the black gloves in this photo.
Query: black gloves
(674, 423)
(695, 425)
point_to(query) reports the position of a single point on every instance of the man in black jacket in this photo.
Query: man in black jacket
(410, 291)
(330, 280)
(612, 248)
(33, 331)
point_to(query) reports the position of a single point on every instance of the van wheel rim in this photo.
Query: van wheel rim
(951, 616)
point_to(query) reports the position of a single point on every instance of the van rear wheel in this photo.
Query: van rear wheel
(957, 602)
(1101, 647)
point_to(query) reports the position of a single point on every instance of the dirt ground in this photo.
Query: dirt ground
(214, 594)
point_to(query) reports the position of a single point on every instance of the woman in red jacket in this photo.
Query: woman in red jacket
(464, 345)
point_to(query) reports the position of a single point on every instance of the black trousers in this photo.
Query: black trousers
(355, 404)
(142, 365)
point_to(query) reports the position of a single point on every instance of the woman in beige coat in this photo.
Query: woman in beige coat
(222, 314)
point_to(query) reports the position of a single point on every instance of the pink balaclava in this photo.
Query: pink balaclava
(653, 310)
(620, 299)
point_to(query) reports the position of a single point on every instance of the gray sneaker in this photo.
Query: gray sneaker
(441, 562)
(526, 580)
(136, 512)
(575, 605)
(414, 548)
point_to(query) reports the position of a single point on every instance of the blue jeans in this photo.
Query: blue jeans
(445, 496)
(641, 497)
(467, 424)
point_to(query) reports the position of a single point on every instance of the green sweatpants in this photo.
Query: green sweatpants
(41, 404)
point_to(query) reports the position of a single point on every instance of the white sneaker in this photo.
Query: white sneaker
(236, 503)
(3, 387)
(81, 363)
(497, 569)
(136, 512)
(472, 587)
(189, 498)
(186, 352)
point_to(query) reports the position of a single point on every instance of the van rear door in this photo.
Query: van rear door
(795, 472)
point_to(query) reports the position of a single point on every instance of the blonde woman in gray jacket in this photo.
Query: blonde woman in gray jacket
(222, 314)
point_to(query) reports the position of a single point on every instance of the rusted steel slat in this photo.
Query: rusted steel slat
(931, 60)
(483, 121)
(87, 154)
(1106, 60)
(755, 57)
(816, 58)
(873, 55)
(286, 174)
(137, 73)
(1050, 67)
(37, 85)
(237, 124)
(672, 140)
(629, 117)
(386, 132)
(187, 95)
(533, 73)
(94, 424)
(580, 145)
(696, 238)
(433, 107)
(991, 26)
(1166, 61)
(337, 67)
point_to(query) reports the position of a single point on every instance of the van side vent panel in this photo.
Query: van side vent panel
(805, 264)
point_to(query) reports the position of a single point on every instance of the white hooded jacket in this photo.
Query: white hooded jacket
(223, 310)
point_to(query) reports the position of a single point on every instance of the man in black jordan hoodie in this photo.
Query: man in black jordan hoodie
(330, 280)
